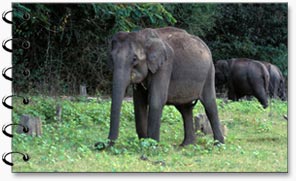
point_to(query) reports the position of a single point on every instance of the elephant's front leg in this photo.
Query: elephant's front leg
(155, 112)
(231, 93)
(140, 109)
(157, 97)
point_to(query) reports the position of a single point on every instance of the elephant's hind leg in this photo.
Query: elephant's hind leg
(187, 115)
(212, 114)
(260, 92)
(262, 96)
(208, 99)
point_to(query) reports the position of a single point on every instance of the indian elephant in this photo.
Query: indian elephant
(277, 81)
(166, 66)
(243, 77)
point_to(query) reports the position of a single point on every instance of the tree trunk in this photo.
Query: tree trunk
(34, 125)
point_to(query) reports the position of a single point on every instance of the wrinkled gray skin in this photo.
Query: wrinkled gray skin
(243, 77)
(277, 81)
(166, 66)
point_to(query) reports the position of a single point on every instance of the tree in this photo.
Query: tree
(69, 42)
(257, 31)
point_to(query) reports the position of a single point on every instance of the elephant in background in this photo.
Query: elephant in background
(277, 81)
(243, 77)
(166, 66)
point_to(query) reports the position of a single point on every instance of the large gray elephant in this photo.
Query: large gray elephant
(277, 81)
(167, 66)
(243, 77)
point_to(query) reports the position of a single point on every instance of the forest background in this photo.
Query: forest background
(69, 42)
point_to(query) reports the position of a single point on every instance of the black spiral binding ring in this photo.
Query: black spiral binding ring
(26, 73)
(4, 74)
(26, 16)
(25, 44)
(25, 101)
(25, 157)
(25, 129)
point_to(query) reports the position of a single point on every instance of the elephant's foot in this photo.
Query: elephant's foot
(218, 143)
(264, 103)
(103, 145)
(188, 141)
(265, 106)
(219, 138)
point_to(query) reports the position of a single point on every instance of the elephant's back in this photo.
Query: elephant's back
(185, 45)
(191, 56)
(244, 66)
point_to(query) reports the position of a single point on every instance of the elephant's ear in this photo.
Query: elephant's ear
(157, 52)
(225, 67)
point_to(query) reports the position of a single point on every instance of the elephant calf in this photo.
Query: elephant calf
(243, 77)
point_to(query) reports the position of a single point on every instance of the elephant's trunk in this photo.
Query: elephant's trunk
(120, 83)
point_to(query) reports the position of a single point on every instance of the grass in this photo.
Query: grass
(256, 140)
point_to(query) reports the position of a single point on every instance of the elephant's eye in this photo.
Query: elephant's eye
(134, 58)
(134, 62)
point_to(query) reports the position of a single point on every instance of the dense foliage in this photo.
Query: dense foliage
(69, 42)
(251, 30)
